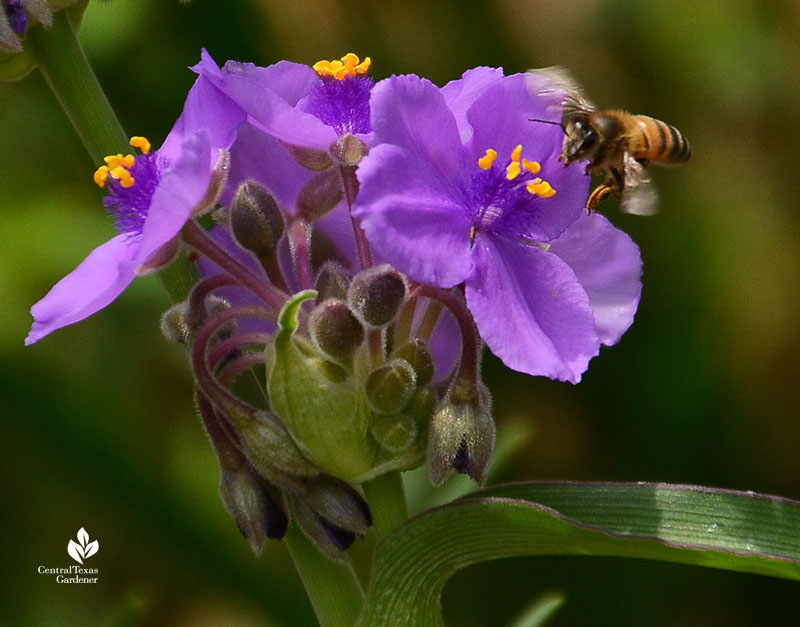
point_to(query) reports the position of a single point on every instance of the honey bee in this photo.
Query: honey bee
(616, 142)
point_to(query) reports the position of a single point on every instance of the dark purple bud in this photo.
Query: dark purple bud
(320, 195)
(338, 502)
(332, 282)
(256, 219)
(376, 295)
(326, 536)
(334, 329)
(256, 506)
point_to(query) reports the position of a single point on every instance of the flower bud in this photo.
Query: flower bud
(332, 281)
(462, 434)
(394, 432)
(348, 150)
(421, 407)
(256, 507)
(417, 353)
(173, 324)
(330, 539)
(271, 450)
(320, 195)
(390, 386)
(338, 502)
(376, 295)
(161, 257)
(309, 158)
(256, 220)
(334, 329)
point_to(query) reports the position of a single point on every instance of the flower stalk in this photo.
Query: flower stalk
(69, 75)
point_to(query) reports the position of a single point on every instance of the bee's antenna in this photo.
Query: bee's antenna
(548, 122)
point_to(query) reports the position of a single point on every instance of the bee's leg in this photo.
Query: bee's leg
(598, 194)
(612, 187)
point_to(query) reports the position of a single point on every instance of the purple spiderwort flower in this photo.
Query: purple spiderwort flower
(152, 199)
(298, 104)
(448, 197)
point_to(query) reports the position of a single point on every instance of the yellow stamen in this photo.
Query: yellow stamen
(141, 143)
(123, 176)
(349, 65)
(486, 161)
(534, 167)
(513, 170)
(101, 176)
(517, 153)
(542, 188)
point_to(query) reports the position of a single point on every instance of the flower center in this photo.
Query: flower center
(504, 197)
(131, 181)
(341, 98)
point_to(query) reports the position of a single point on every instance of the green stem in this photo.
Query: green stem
(387, 501)
(333, 587)
(67, 72)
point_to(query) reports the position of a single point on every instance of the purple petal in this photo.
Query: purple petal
(530, 310)
(410, 221)
(609, 267)
(411, 112)
(96, 282)
(255, 154)
(206, 107)
(461, 93)
(182, 187)
(254, 90)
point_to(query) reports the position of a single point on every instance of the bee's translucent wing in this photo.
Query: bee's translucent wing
(639, 196)
(560, 87)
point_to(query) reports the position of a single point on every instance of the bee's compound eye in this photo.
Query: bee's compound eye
(589, 139)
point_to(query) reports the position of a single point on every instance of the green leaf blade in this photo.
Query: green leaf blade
(737, 531)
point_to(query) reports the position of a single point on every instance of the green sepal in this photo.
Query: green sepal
(327, 416)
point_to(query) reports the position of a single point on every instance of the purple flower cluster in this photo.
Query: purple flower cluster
(546, 283)
(368, 239)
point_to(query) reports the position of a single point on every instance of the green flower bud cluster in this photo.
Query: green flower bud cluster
(355, 404)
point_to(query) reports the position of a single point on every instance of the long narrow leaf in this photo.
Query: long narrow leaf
(739, 531)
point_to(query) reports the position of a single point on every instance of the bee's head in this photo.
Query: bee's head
(581, 139)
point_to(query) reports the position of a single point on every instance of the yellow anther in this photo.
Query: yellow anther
(141, 143)
(123, 176)
(112, 161)
(513, 170)
(534, 167)
(363, 67)
(101, 175)
(542, 188)
(517, 153)
(486, 161)
(348, 65)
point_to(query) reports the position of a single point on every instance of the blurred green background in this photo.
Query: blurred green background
(98, 429)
